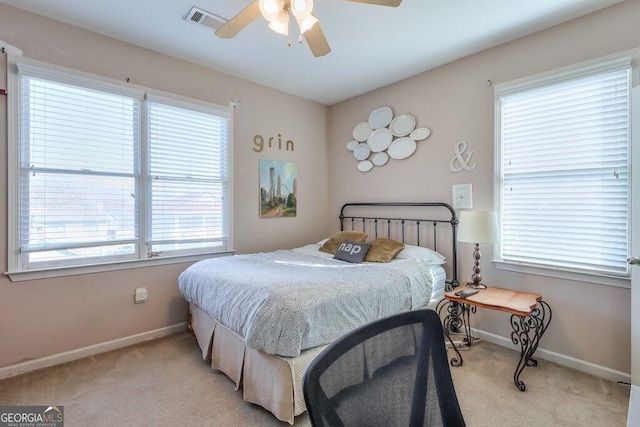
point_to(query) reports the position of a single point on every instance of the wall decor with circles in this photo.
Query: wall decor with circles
(384, 137)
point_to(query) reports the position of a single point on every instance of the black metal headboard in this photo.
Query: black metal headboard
(395, 221)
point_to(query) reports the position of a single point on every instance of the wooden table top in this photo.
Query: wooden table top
(514, 302)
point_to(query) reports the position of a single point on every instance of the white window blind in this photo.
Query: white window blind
(102, 172)
(188, 179)
(79, 151)
(564, 172)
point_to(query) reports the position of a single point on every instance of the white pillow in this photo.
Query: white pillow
(323, 241)
(420, 253)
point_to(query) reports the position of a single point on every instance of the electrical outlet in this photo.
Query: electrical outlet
(140, 295)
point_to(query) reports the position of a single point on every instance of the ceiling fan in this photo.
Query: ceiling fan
(277, 12)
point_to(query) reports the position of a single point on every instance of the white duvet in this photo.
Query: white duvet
(287, 301)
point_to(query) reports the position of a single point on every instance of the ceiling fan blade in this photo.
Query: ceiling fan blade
(238, 22)
(317, 41)
(391, 3)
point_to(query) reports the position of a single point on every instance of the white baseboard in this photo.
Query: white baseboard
(560, 359)
(68, 356)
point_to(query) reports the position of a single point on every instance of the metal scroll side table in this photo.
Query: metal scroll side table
(530, 317)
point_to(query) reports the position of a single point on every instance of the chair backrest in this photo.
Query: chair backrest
(390, 372)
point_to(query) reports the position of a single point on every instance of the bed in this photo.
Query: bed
(262, 318)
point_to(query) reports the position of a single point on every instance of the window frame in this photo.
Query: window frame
(140, 258)
(543, 79)
(201, 108)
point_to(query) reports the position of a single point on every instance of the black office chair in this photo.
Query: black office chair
(390, 372)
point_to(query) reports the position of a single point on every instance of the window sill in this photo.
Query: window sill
(20, 276)
(600, 279)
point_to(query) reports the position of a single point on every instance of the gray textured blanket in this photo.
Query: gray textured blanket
(286, 301)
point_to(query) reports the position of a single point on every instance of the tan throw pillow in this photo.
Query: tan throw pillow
(331, 245)
(383, 250)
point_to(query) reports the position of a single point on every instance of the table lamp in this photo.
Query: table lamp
(477, 227)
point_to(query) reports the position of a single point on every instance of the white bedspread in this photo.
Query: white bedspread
(287, 301)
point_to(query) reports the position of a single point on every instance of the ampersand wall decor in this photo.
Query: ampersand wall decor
(462, 158)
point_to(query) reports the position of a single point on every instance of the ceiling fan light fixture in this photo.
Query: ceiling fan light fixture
(306, 23)
(281, 24)
(301, 8)
(270, 8)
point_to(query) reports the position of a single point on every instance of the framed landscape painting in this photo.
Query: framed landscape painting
(278, 189)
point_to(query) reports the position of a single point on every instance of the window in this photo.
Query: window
(563, 169)
(105, 173)
(187, 187)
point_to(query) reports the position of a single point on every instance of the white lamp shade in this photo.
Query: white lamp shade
(478, 227)
(301, 9)
(281, 23)
(270, 8)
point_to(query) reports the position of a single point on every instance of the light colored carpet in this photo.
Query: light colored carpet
(165, 382)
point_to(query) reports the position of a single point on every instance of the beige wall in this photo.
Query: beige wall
(590, 322)
(45, 317)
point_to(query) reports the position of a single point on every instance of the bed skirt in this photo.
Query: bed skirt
(273, 382)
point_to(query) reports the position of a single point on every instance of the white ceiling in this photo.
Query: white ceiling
(373, 46)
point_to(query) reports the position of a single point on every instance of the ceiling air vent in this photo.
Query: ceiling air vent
(205, 18)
